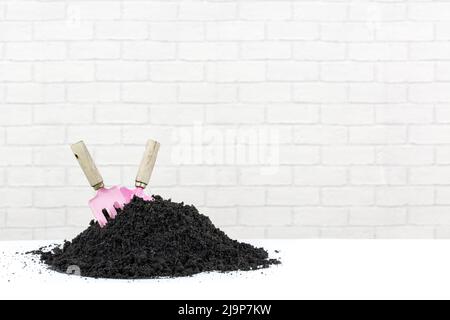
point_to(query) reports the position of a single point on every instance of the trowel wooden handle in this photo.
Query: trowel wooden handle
(147, 164)
(87, 164)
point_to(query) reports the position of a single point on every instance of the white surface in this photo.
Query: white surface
(311, 269)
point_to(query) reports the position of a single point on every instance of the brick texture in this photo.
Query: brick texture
(282, 119)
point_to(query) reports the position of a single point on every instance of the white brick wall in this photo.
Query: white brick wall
(290, 118)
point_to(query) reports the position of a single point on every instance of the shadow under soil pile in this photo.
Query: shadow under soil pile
(155, 239)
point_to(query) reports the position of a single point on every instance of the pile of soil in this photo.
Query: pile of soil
(152, 239)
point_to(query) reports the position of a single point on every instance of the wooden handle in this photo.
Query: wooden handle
(147, 164)
(87, 164)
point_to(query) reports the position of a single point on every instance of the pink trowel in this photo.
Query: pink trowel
(106, 199)
(144, 173)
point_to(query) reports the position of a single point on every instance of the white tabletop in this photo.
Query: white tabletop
(311, 269)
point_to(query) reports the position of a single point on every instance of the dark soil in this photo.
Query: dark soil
(155, 239)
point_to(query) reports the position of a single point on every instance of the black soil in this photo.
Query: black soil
(155, 239)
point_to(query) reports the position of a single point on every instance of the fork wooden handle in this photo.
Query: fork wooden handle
(88, 165)
(147, 164)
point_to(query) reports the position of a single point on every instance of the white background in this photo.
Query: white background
(357, 94)
(310, 269)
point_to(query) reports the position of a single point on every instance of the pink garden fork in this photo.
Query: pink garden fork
(116, 197)
(106, 199)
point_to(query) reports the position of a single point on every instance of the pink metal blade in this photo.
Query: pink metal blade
(138, 192)
(109, 199)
